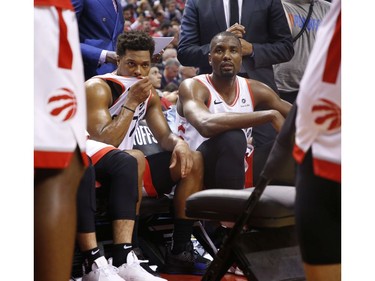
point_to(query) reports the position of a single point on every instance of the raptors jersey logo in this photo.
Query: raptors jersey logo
(62, 105)
(327, 114)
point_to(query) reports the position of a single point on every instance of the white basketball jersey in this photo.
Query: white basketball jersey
(318, 122)
(243, 102)
(59, 93)
(115, 109)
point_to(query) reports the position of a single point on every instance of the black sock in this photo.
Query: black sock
(135, 232)
(120, 252)
(181, 234)
(89, 257)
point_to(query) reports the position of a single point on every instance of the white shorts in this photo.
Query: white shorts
(59, 94)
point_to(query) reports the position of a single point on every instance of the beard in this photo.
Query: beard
(227, 73)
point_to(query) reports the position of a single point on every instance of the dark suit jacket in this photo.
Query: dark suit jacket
(99, 25)
(266, 28)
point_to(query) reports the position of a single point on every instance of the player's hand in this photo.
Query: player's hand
(139, 92)
(182, 155)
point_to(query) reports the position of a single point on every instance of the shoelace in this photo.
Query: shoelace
(109, 270)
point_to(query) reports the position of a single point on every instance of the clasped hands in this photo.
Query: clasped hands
(239, 30)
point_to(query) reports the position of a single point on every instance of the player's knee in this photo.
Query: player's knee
(140, 158)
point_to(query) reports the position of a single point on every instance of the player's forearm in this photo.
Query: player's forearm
(222, 122)
(115, 131)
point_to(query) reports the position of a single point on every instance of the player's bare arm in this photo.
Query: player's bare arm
(181, 154)
(266, 98)
(192, 105)
(101, 126)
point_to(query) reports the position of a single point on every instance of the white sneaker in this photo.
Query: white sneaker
(133, 271)
(236, 270)
(102, 271)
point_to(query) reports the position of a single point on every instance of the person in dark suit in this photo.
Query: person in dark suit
(99, 23)
(265, 38)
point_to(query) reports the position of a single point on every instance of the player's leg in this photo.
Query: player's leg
(55, 194)
(318, 221)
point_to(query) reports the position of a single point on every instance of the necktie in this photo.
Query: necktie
(233, 12)
(115, 5)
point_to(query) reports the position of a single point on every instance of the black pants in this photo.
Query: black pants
(318, 215)
(224, 160)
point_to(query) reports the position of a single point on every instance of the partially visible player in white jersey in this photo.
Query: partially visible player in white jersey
(318, 153)
(216, 113)
(116, 103)
(59, 136)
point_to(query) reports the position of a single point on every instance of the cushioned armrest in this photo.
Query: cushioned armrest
(274, 209)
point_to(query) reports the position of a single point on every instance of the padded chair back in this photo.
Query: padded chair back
(281, 166)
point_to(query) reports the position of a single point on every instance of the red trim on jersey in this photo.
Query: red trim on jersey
(181, 128)
(64, 4)
(249, 171)
(98, 155)
(65, 57)
(209, 80)
(55, 159)
(327, 170)
(298, 154)
(147, 182)
(322, 168)
(333, 61)
(209, 98)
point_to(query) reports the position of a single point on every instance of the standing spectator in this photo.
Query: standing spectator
(318, 154)
(170, 73)
(289, 74)
(265, 38)
(59, 137)
(99, 23)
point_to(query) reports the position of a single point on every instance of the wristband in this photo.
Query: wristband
(132, 110)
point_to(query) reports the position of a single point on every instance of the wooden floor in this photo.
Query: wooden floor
(178, 277)
(175, 277)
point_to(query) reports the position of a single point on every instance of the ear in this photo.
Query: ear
(209, 58)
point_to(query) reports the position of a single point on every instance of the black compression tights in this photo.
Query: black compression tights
(86, 203)
(224, 160)
(117, 172)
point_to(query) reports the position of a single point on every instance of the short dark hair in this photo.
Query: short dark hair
(136, 41)
(224, 34)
